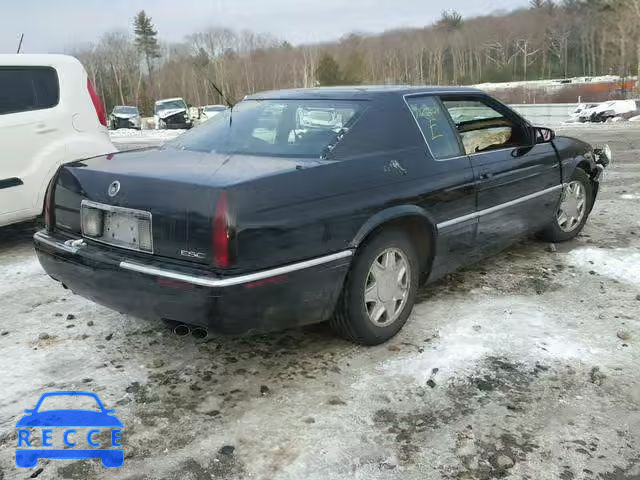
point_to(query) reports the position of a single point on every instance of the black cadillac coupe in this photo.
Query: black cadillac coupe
(300, 206)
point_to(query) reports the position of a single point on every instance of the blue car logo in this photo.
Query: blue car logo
(46, 420)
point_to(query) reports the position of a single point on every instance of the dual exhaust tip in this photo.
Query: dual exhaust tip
(183, 330)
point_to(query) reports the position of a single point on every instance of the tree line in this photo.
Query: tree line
(549, 39)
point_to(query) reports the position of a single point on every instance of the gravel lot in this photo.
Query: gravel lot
(524, 366)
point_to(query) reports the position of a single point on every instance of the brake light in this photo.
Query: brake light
(220, 236)
(97, 104)
(48, 206)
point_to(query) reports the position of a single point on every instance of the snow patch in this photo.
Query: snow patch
(630, 196)
(128, 135)
(517, 327)
(621, 264)
(18, 271)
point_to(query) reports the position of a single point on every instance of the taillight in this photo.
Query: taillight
(97, 104)
(48, 206)
(221, 235)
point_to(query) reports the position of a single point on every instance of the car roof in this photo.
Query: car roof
(38, 59)
(362, 92)
(169, 99)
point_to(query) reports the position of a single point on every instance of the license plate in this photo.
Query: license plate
(118, 226)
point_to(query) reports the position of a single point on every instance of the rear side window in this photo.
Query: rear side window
(436, 129)
(23, 89)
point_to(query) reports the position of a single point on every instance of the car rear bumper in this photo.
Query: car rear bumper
(291, 295)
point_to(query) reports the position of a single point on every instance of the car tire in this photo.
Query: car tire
(362, 322)
(560, 231)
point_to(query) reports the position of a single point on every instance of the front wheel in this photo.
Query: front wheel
(380, 290)
(573, 210)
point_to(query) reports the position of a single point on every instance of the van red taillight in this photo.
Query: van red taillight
(221, 235)
(97, 104)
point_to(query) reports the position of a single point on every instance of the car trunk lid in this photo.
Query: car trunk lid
(175, 191)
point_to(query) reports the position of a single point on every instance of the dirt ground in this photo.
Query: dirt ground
(525, 366)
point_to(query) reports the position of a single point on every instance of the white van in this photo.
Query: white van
(49, 115)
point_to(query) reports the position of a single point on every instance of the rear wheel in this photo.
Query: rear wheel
(573, 210)
(380, 290)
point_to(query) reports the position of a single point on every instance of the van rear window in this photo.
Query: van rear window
(23, 89)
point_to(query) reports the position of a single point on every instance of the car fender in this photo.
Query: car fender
(574, 153)
(66, 151)
(390, 214)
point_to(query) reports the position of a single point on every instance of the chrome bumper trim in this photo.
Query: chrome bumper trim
(231, 281)
(204, 281)
(47, 240)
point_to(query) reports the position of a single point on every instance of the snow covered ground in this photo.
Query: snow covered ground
(523, 366)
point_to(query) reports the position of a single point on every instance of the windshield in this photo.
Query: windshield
(300, 128)
(170, 105)
(127, 110)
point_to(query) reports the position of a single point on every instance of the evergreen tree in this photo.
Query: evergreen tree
(328, 71)
(146, 39)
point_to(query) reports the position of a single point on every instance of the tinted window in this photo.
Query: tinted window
(435, 127)
(27, 88)
(484, 128)
(300, 128)
(126, 110)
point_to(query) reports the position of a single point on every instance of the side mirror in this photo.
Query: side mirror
(544, 135)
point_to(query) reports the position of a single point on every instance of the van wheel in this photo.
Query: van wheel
(573, 210)
(380, 290)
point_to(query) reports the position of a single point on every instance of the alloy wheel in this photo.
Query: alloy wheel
(387, 287)
(572, 207)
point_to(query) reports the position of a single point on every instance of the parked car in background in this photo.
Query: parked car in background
(171, 113)
(210, 111)
(124, 116)
(602, 112)
(306, 205)
(50, 114)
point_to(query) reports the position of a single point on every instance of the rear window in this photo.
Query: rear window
(298, 128)
(170, 105)
(23, 89)
(126, 110)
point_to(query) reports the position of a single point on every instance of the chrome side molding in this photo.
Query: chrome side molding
(237, 280)
(480, 213)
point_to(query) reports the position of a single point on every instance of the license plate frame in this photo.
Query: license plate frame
(119, 222)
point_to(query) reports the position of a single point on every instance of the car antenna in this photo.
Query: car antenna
(20, 43)
(215, 87)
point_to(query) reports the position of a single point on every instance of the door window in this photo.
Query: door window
(483, 128)
(27, 88)
(435, 127)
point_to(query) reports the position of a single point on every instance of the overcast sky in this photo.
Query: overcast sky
(58, 25)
